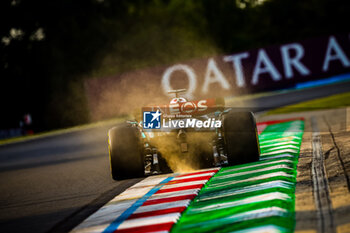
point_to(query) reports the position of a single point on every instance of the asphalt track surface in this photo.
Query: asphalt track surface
(51, 184)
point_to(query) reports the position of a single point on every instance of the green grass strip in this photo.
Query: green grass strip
(334, 101)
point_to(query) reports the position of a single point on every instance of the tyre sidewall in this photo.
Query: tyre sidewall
(125, 152)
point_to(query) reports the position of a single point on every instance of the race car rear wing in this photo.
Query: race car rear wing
(176, 92)
(192, 108)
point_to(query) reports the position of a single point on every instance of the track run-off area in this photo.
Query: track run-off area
(253, 197)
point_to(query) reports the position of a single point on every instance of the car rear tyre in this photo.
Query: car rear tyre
(241, 138)
(163, 165)
(125, 152)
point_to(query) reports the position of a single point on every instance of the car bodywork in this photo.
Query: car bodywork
(200, 141)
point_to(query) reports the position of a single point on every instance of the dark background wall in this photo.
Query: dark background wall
(48, 48)
(259, 70)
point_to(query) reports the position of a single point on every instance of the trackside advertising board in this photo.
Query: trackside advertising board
(264, 69)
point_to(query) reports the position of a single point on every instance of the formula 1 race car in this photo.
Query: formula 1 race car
(193, 135)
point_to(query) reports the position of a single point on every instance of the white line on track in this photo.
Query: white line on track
(247, 189)
(259, 213)
(118, 205)
(285, 156)
(248, 200)
(193, 176)
(174, 194)
(101, 220)
(131, 223)
(282, 147)
(263, 229)
(280, 166)
(282, 139)
(183, 184)
(167, 205)
(280, 144)
(140, 189)
(249, 215)
(258, 178)
(279, 152)
(257, 165)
